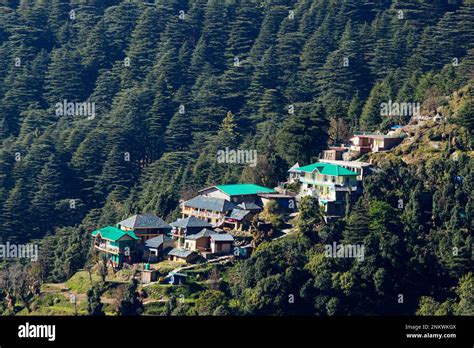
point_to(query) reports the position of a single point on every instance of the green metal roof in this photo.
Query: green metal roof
(327, 169)
(243, 189)
(113, 233)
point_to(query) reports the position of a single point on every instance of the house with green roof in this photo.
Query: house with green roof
(117, 244)
(330, 183)
(236, 193)
(238, 204)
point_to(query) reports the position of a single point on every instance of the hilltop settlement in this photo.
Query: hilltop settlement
(215, 224)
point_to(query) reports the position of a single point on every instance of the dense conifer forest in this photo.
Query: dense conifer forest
(175, 81)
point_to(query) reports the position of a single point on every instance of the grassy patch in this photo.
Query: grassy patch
(54, 304)
(80, 282)
(48, 287)
(154, 308)
(167, 266)
(124, 275)
(188, 291)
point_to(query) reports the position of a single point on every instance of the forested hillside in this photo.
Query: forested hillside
(174, 82)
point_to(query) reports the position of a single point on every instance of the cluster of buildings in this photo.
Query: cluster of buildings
(336, 179)
(202, 231)
(209, 219)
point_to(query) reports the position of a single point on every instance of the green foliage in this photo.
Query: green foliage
(161, 119)
(310, 217)
(211, 302)
(263, 284)
(462, 305)
(466, 115)
(302, 136)
(80, 282)
(94, 306)
(272, 213)
(465, 292)
(128, 301)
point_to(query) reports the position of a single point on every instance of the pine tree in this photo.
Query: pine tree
(353, 112)
(265, 77)
(268, 31)
(226, 135)
(244, 29)
(288, 49)
(159, 117)
(13, 211)
(96, 52)
(357, 226)
(371, 116)
(120, 21)
(209, 110)
(209, 55)
(313, 58)
(94, 305)
(47, 195)
(129, 303)
(308, 127)
(144, 43)
(117, 172)
(64, 79)
(466, 115)
(342, 74)
(177, 132)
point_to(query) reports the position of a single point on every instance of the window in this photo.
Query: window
(333, 178)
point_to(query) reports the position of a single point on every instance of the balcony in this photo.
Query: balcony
(201, 214)
(316, 182)
(107, 248)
